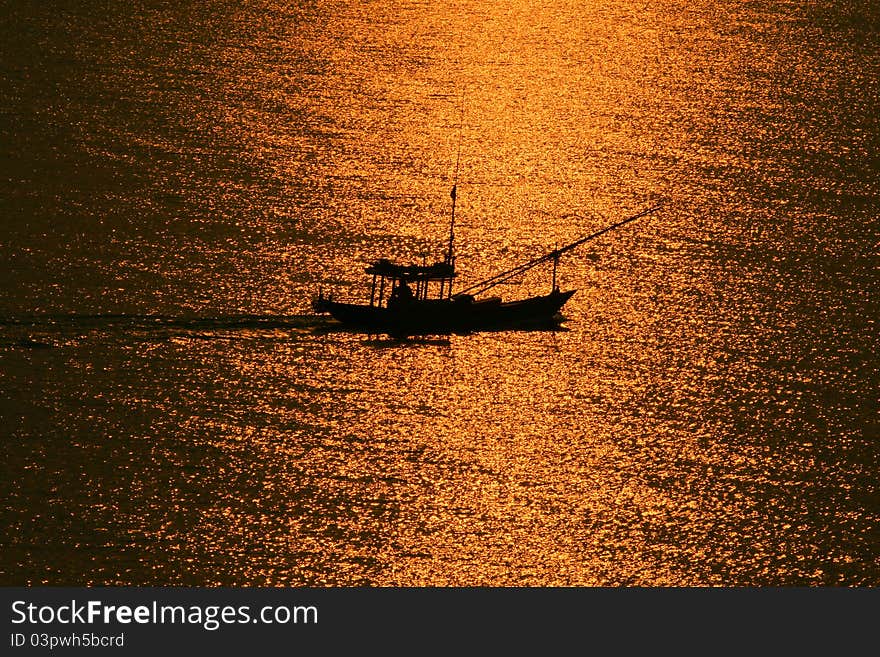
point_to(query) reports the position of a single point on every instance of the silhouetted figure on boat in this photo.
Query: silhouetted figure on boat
(402, 293)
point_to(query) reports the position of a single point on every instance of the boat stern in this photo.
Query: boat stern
(320, 303)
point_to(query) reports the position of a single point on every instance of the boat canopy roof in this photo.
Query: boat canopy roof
(387, 269)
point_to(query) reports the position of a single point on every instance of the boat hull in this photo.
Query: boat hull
(443, 316)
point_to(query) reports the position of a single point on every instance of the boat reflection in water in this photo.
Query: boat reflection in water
(409, 300)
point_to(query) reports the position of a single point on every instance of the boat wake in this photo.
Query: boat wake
(47, 331)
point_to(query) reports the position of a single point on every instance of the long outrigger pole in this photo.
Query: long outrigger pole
(504, 276)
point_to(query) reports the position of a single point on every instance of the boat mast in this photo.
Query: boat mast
(450, 258)
(450, 250)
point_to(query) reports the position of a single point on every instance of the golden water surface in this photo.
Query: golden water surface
(179, 179)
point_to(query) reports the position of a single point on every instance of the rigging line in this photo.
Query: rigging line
(504, 276)
(460, 129)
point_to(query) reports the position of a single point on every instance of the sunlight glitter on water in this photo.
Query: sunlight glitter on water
(176, 415)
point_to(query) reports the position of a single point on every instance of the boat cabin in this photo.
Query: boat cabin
(409, 282)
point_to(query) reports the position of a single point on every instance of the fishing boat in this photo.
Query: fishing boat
(411, 300)
(419, 302)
